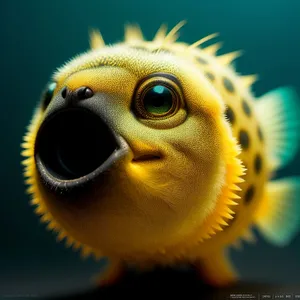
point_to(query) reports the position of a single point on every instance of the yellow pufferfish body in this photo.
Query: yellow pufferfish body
(157, 152)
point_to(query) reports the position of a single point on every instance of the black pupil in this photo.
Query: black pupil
(158, 100)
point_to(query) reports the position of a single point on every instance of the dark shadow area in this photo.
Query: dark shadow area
(180, 282)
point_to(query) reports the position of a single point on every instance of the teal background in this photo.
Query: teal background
(38, 36)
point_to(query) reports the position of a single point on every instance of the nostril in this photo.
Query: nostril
(84, 93)
(73, 143)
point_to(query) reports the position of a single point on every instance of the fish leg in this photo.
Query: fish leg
(216, 269)
(111, 275)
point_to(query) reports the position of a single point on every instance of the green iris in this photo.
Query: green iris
(158, 100)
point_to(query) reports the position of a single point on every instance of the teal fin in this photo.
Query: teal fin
(278, 217)
(279, 115)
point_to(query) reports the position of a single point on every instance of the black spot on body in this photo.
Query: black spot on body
(249, 195)
(229, 113)
(260, 134)
(228, 85)
(246, 108)
(202, 61)
(210, 76)
(244, 139)
(258, 163)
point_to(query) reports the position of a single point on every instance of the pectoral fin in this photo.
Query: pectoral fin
(278, 217)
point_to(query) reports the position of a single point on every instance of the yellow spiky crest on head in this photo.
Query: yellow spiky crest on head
(160, 34)
(202, 40)
(133, 34)
(96, 39)
(162, 40)
(173, 35)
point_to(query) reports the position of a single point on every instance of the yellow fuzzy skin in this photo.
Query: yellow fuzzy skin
(190, 205)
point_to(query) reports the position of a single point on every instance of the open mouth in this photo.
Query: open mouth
(75, 146)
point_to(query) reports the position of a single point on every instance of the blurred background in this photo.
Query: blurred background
(38, 36)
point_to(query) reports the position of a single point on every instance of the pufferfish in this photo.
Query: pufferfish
(157, 153)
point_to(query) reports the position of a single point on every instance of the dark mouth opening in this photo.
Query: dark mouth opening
(73, 143)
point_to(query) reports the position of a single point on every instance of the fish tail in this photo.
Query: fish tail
(278, 112)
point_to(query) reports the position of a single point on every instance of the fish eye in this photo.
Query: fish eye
(48, 94)
(157, 97)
